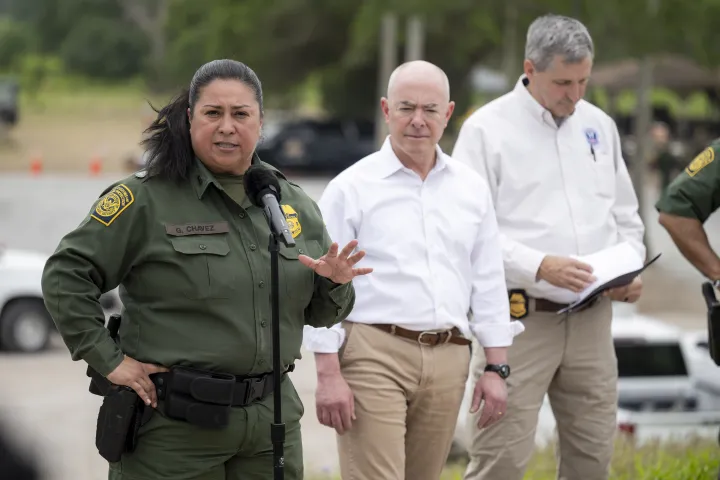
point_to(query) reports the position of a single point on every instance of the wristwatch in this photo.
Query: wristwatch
(502, 369)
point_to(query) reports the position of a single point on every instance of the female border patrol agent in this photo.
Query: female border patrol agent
(190, 253)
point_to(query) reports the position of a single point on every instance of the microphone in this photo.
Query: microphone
(263, 190)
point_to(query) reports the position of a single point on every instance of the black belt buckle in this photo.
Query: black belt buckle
(254, 389)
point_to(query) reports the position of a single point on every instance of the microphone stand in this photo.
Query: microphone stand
(277, 429)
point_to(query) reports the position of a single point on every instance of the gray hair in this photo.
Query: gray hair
(552, 35)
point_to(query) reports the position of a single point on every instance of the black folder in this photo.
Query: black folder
(620, 281)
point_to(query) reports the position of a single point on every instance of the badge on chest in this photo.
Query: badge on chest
(291, 217)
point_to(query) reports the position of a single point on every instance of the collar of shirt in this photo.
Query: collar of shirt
(202, 177)
(392, 163)
(529, 102)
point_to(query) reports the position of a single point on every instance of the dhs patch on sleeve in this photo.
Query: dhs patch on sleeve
(112, 204)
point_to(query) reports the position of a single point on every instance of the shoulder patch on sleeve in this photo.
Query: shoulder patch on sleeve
(112, 204)
(701, 161)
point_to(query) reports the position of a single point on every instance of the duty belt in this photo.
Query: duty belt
(205, 398)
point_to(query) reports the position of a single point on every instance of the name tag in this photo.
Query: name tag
(201, 228)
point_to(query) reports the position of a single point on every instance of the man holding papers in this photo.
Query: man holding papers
(563, 201)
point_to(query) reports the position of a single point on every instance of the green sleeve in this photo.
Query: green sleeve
(89, 261)
(331, 303)
(695, 193)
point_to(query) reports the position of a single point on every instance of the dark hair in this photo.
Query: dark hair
(170, 152)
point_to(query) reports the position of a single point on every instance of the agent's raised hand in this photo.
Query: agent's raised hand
(338, 267)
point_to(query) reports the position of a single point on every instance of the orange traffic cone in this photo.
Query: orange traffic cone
(36, 165)
(95, 165)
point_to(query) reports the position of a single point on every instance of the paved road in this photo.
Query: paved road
(44, 397)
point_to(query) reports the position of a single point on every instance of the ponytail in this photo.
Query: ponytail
(170, 152)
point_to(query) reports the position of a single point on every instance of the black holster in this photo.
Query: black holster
(121, 415)
(713, 321)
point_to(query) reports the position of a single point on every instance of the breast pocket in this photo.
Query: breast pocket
(205, 264)
(604, 170)
(297, 280)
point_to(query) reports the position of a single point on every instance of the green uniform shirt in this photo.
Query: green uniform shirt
(194, 273)
(695, 193)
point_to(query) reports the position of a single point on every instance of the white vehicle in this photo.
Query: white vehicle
(25, 324)
(648, 427)
(654, 365)
(667, 384)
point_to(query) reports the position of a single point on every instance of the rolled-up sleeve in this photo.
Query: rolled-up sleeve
(339, 226)
(490, 323)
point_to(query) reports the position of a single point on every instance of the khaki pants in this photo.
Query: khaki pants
(407, 400)
(572, 358)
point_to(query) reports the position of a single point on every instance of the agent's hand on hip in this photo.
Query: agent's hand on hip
(135, 375)
(566, 272)
(491, 389)
(337, 267)
(334, 402)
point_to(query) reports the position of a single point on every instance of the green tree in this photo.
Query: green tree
(16, 40)
(104, 48)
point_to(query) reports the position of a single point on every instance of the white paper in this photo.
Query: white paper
(609, 264)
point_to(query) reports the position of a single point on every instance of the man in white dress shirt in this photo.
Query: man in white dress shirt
(392, 376)
(560, 188)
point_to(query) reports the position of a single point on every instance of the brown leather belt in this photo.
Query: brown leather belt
(544, 305)
(425, 338)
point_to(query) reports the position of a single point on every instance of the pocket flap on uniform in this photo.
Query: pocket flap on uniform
(198, 244)
(300, 248)
(290, 253)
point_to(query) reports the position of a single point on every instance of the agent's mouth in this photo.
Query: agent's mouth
(226, 145)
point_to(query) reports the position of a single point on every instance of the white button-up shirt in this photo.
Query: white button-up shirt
(433, 245)
(557, 190)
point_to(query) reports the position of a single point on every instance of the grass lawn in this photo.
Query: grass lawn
(694, 460)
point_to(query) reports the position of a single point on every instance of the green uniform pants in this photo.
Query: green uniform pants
(172, 449)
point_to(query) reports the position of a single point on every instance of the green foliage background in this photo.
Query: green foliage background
(326, 50)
